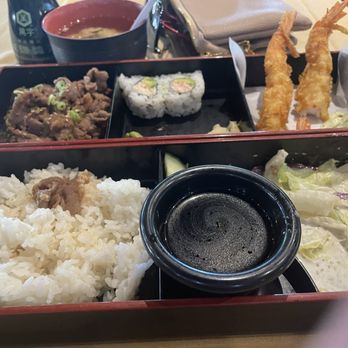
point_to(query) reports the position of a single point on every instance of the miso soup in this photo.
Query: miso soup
(93, 33)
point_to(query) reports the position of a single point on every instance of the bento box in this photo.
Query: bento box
(162, 307)
(225, 106)
(223, 99)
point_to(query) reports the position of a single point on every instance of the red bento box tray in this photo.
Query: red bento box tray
(223, 101)
(157, 315)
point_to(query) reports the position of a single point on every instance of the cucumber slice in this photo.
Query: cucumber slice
(133, 134)
(172, 164)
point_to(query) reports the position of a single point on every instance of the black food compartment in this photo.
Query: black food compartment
(255, 83)
(174, 311)
(223, 100)
(253, 154)
(144, 162)
(14, 77)
(140, 163)
(256, 71)
(294, 280)
(127, 163)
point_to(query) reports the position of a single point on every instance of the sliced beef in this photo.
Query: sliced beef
(68, 110)
(86, 129)
(15, 118)
(100, 78)
(96, 102)
(54, 191)
(61, 127)
(37, 121)
(71, 94)
(99, 116)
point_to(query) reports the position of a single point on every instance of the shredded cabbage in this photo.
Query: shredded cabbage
(336, 120)
(313, 249)
(320, 196)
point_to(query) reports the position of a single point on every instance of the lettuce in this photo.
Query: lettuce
(320, 195)
(324, 257)
(337, 120)
(312, 202)
(274, 164)
(313, 249)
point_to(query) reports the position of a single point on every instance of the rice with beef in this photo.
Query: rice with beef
(50, 256)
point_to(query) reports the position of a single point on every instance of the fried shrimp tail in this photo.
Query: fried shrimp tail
(313, 94)
(303, 123)
(279, 88)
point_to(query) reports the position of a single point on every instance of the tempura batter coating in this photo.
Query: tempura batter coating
(279, 88)
(313, 94)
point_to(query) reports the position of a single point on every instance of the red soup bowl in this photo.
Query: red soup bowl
(117, 15)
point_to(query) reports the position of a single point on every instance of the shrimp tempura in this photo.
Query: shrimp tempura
(313, 94)
(279, 88)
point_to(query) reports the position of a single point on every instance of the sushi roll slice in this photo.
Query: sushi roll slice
(143, 95)
(184, 93)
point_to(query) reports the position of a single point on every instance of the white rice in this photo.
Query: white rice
(49, 256)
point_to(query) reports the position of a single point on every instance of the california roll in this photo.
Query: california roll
(175, 94)
(184, 93)
(143, 95)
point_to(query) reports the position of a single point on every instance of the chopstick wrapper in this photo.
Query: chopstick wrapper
(341, 94)
(143, 15)
(239, 61)
(252, 20)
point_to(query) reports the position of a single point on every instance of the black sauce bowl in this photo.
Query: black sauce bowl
(220, 228)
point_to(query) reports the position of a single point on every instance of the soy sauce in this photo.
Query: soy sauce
(216, 232)
(29, 41)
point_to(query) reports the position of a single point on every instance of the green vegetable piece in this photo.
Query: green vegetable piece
(218, 129)
(74, 115)
(133, 134)
(146, 86)
(149, 82)
(341, 215)
(60, 106)
(233, 127)
(61, 86)
(52, 100)
(187, 80)
(172, 164)
(337, 120)
(313, 249)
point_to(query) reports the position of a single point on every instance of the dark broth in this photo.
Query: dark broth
(216, 232)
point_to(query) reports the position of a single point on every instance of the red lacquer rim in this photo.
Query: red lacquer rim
(166, 140)
(139, 305)
(127, 61)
